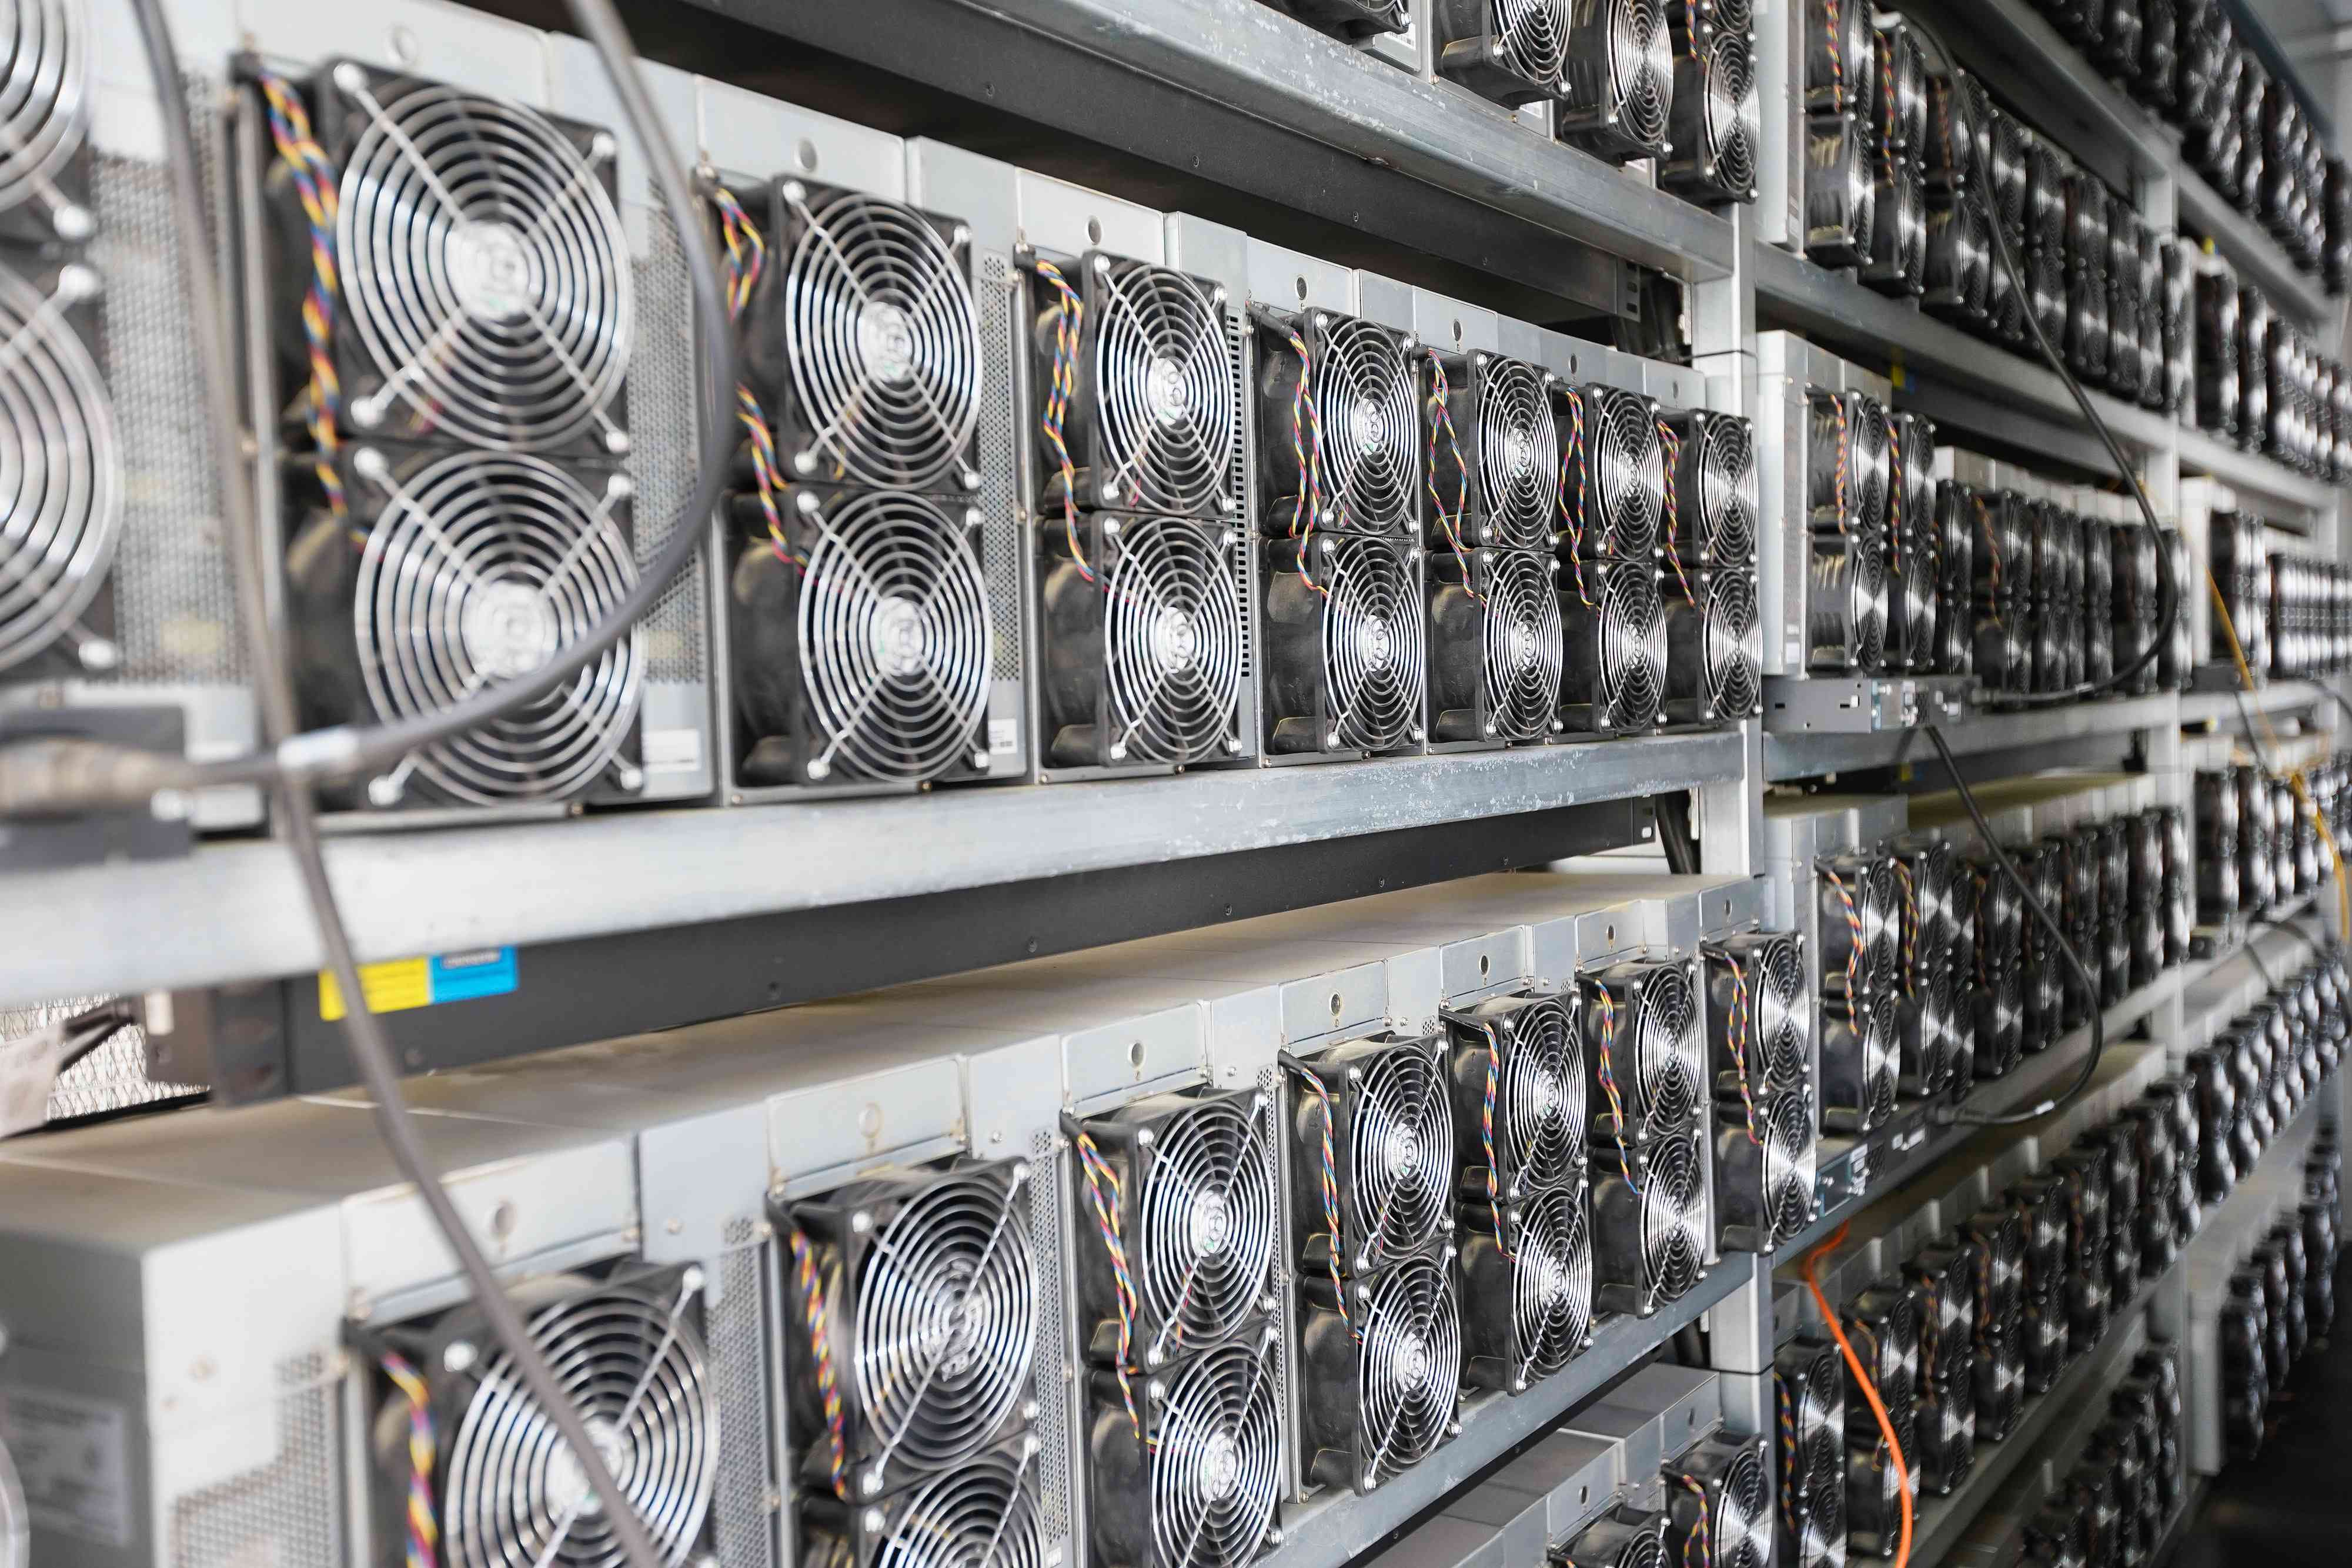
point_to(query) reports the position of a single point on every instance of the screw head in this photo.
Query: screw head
(459, 1355)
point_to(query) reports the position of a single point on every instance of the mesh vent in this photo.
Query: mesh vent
(1052, 1427)
(739, 1360)
(998, 453)
(289, 1511)
(1270, 1084)
(107, 1078)
(664, 448)
(174, 607)
(1238, 490)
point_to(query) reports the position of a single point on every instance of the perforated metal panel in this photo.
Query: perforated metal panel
(1238, 491)
(1000, 456)
(174, 604)
(107, 1078)
(289, 1512)
(740, 1515)
(1271, 1079)
(1057, 1473)
(663, 448)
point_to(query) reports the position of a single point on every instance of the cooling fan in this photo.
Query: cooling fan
(1764, 1174)
(1372, 1132)
(459, 320)
(475, 568)
(1193, 1482)
(1925, 907)
(45, 107)
(1946, 1439)
(1185, 1184)
(1644, 1048)
(1881, 1323)
(1956, 276)
(1383, 1382)
(1144, 650)
(1613, 624)
(61, 480)
(1999, 1232)
(1342, 451)
(1840, 191)
(1622, 1538)
(1344, 645)
(1517, 1076)
(1998, 1379)
(1649, 1223)
(1874, 1488)
(1840, 59)
(1614, 488)
(1495, 646)
(1926, 1021)
(1714, 487)
(1152, 417)
(1512, 51)
(1503, 462)
(1527, 1287)
(1846, 605)
(1756, 1014)
(2216, 356)
(922, 1326)
(984, 1512)
(629, 1351)
(1859, 902)
(1898, 235)
(1945, 1277)
(1617, 90)
(1914, 553)
(1809, 1398)
(1719, 1499)
(1951, 154)
(1715, 128)
(861, 644)
(1715, 649)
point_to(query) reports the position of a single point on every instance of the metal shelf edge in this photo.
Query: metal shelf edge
(2270, 481)
(1799, 756)
(2258, 258)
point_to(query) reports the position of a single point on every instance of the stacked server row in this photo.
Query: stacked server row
(2260, 843)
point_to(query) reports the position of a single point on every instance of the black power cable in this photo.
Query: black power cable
(2084, 980)
(372, 1049)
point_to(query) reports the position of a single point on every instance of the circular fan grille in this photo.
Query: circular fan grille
(1400, 1151)
(1523, 646)
(1724, 481)
(1409, 1365)
(1628, 483)
(1518, 447)
(484, 269)
(1172, 641)
(1740, 1533)
(1551, 1281)
(1733, 683)
(1534, 36)
(1541, 1094)
(883, 338)
(895, 639)
(1873, 463)
(1881, 1061)
(481, 568)
(1632, 631)
(975, 1516)
(513, 1491)
(1777, 987)
(1880, 897)
(1732, 123)
(1373, 646)
(1789, 1166)
(1164, 388)
(1364, 398)
(946, 1318)
(1673, 1239)
(1216, 1471)
(1640, 67)
(1207, 1221)
(44, 103)
(60, 470)
(1662, 1038)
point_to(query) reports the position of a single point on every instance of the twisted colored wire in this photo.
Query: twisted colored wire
(1674, 452)
(1788, 1410)
(1699, 1537)
(1572, 517)
(1934, 1296)
(1442, 417)
(1992, 549)
(424, 1530)
(1608, 1074)
(1308, 454)
(747, 258)
(1741, 1016)
(828, 1381)
(1069, 319)
(1854, 924)
(1487, 1132)
(315, 185)
(1330, 1185)
(1887, 106)
(1845, 431)
(1099, 1176)
(1910, 926)
(1837, 56)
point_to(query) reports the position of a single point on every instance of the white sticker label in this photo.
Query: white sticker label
(1003, 736)
(673, 751)
(72, 1455)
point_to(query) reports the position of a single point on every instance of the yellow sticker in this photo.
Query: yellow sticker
(392, 986)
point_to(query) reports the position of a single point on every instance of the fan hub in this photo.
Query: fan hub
(886, 342)
(1412, 1361)
(1210, 1229)
(1364, 424)
(896, 636)
(509, 628)
(1375, 642)
(1401, 1153)
(1175, 640)
(1165, 394)
(1221, 1466)
(490, 270)
(568, 1492)
(957, 1326)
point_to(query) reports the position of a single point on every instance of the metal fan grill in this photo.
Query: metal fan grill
(1789, 1163)
(482, 568)
(484, 267)
(1520, 630)
(1674, 1228)
(1551, 1281)
(1532, 36)
(1517, 448)
(1206, 1221)
(946, 1321)
(1739, 1532)
(60, 463)
(1399, 1152)
(882, 337)
(1632, 653)
(978, 1515)
(1374, 649)
(636, 1369)
(1409, 1364)
(1657, 1033)
(44, 105)
(1540, 1092)
(1730, 123)
(1216, 1469)
(1173, 643)
(1626, 495)
(1718, 481)
(1732, 637)
(1621, 71)
(1164, 403)
(1773, 980)
(1369, 422)
(895, 639)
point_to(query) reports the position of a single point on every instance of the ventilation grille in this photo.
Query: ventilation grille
(661, 391)
(998, 457)
(289, 1511)
(739, 1374)
(1238, 495)
(1050, 1427)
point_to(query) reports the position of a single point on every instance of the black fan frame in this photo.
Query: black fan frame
(1704, 693)
(1121, 1516)
(1335, 1443)
(1459, 470)
(1491, 1033)
(1587, 704)
(865, 1534)
(1697, 168)
(1340, 1070)
(1462, 594)
(1494, 1353)
(1623, 1277)
(1467, 50)
(1275, 378)
(1297, 702)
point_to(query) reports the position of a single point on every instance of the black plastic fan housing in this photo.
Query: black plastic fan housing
(988, 1503)
(1338, 428)
(1494, 646)
(1383, 1382)
(1382, 1107)
(1720, 1501)
(1649, 1223)
(1527, 1287)
(1345, 645)
(1512, 51)
(1614, 669)
(1714, 130)
(1617, 91)
(1517, 1079)
(1197, 1487)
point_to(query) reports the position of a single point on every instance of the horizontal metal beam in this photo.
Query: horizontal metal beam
(1790, 757)
(2269, 482)
(233, 911)
(2258, 259)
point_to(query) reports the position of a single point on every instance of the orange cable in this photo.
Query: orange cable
(1869, 1389)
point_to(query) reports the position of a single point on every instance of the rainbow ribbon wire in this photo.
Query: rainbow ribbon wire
(747, 258)
(315, 185)
(424, 1530)
(1330, 1185)
(1845, 434)
(1671, 447)
(1486, 1130)
(1107, 1197)
(828, 1381)
(1608, 1075)
(1308, 453)
(1910, 926)
(1853, 953)
(1440, 417)
(1837, 58)
(1788, 1409)
(1061, 386)
(1742, 1017)
(1572, 517)
(1699, 1536)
